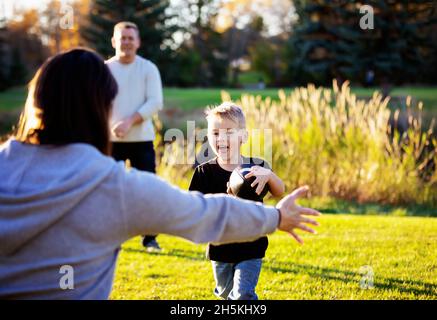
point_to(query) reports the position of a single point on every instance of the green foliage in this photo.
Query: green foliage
(263, 55)
(202, 62)
(188, 67)
(4, 65)
(250, 77)
(18, 71)
(150, 18)
(207, 58)
(344, 147)
(400, 250)
(21, 52)
(329, 42)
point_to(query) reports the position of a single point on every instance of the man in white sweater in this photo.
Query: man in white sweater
(138, 99)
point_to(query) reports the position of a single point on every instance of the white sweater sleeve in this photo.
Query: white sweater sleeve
(154, 96)
(152, 206)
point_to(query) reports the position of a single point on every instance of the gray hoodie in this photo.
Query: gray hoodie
(72, 206)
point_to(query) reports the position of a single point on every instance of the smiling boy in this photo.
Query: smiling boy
(236, 266)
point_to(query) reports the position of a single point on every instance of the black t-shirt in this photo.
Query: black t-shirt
(209, 177)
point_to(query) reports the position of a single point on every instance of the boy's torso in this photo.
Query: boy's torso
(216, 179)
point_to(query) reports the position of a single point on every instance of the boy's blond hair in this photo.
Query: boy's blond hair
(126, 25)
(227, 110)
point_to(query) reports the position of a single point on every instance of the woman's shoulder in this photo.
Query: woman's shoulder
(65, 155)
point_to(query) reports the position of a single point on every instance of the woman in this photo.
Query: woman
(65, 202)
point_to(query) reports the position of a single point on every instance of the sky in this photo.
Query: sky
(231, 9)
(7, 6)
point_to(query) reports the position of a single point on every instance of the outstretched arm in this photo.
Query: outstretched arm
(151, 205)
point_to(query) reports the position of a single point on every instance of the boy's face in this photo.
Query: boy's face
(226, 138)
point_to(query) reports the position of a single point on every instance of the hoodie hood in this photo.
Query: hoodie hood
(40, 184)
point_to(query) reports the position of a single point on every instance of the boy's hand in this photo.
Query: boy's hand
(262, 177)
(293, 216)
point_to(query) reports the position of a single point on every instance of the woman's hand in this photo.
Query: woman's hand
(292, 216)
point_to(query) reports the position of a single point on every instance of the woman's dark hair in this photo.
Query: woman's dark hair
(70, 100)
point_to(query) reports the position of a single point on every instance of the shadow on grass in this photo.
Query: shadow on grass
(178, 253)
(380, 283)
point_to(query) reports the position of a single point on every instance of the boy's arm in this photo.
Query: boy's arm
(276, 185)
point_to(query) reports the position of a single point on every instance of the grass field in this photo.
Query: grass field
(402, 251)
(191, 101)
(194, 98)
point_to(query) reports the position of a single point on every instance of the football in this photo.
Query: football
(241, 187)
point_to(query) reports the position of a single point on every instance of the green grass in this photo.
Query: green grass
(251, 77)
(191, 99)
(338, 206)
(186, 99)
(427, 95)
(194, 98)
(13, 98)
(402, 251)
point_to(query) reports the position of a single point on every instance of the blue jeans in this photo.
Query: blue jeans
(236, 281)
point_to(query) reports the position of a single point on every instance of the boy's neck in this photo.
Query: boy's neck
(231, 164)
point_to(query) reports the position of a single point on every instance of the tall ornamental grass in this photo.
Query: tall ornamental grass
(339, 145)
(345, 147)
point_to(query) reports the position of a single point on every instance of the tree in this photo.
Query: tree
(21, 49)
(238, 41)
(431, 52)
(4, 58)
(60, 27)
(18, 71)
(329, 43)
(150, 17)
(268, 56)
(197, 18)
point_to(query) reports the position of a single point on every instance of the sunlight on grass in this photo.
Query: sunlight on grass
(401, 251)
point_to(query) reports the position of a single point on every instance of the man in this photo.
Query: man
(139, 98)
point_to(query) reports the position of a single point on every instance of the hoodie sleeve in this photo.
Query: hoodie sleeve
(153, 206)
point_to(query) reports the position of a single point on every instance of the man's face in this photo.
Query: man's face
(126, 42)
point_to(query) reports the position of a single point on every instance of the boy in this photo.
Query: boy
(236, 266)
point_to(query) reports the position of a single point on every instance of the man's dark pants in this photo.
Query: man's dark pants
(141, 156)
